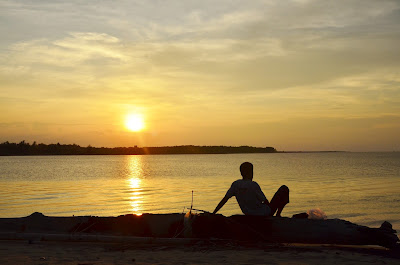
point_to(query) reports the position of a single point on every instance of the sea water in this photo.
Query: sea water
(360, 187)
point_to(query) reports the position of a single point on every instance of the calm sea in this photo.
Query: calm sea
(360, 187)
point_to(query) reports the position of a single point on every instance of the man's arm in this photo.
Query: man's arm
(220, 204)
(260, 194)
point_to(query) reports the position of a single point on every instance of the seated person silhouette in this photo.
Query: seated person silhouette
(251, 199)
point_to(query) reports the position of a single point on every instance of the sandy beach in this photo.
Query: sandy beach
(89, 253)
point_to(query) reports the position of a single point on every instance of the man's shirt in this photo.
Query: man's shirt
(249, 197)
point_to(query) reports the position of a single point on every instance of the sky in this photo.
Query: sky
(295, 75)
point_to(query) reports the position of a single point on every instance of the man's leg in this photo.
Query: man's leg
(280, 199)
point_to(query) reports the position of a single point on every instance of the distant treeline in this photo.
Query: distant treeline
(24, 148)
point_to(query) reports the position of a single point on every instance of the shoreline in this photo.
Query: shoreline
(167, 154)
(46, 252)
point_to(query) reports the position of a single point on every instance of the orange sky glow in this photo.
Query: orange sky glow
(295, 75)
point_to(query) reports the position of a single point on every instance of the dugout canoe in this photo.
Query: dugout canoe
(293, 230)
(203, 226)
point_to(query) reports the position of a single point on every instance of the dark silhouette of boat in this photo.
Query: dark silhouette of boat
(182, 228)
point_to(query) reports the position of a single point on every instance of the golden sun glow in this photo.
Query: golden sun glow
(134, 122)
(134, 180)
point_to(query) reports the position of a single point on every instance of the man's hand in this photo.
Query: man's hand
(220, 204)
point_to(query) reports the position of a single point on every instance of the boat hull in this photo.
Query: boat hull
(293, 230)
(237, 227)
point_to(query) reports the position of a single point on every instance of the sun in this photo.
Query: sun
(134, 122)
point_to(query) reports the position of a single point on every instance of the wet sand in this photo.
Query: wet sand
(88, 253)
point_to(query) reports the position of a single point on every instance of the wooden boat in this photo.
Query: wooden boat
(293, 230)
(203, 226)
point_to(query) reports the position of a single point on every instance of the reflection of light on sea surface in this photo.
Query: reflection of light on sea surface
(135, 184)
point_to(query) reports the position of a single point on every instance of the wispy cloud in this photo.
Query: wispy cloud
(207, 64)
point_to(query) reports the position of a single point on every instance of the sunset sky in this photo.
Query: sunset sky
(295, 75)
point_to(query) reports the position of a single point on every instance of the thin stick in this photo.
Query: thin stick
(191, 206)
(203, 211)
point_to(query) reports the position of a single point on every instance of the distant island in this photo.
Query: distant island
(26, 149)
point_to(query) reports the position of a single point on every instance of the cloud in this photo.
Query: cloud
(70, 51)
(202, 63)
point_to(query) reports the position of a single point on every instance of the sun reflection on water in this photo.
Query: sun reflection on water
(135, 169)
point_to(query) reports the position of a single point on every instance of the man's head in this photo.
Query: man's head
(246, 169)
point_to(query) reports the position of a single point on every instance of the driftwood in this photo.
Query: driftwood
(237, 227)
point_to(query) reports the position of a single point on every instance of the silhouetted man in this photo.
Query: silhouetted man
(251, 199)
